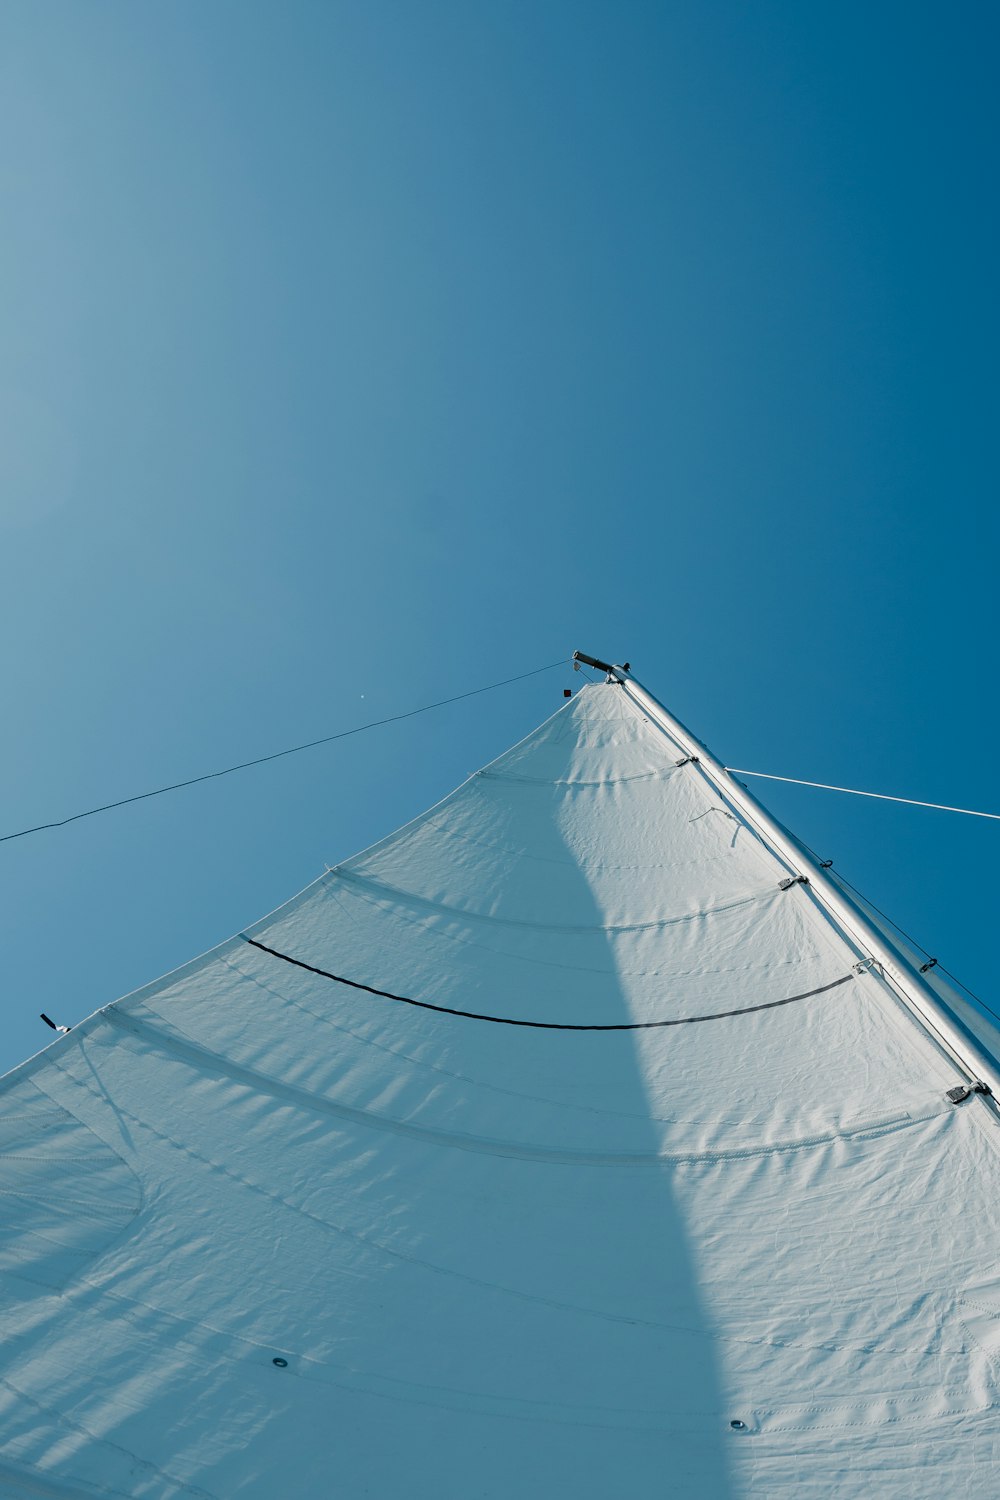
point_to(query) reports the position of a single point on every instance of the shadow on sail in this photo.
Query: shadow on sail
(380, 1248)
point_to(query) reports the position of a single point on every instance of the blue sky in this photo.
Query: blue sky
(352, 355)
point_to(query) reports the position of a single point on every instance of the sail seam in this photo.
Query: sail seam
(369, 1242)
(192, 1053)
(381, 892)
(604, 781)
(471, 1015)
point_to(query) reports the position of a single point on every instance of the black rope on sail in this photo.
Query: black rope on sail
(472, 1015)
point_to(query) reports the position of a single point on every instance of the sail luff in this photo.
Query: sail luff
(976, 1064)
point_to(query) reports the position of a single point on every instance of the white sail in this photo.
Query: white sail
(706, 1222)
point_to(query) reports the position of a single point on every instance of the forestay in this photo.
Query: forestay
(269, 1234)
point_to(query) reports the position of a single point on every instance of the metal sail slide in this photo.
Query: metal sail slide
(580, 1139)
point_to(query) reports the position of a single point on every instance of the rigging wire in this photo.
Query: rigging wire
(919, 946)
(261, 760)
(853, 791)
(971, 993)
(843, 880)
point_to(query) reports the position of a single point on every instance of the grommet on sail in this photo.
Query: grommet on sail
(581, 1138)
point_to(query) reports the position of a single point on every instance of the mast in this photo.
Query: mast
(980, 1070)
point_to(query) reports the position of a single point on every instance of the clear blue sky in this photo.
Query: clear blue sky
(354, 354)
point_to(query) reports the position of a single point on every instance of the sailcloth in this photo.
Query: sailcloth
(657, 1191)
